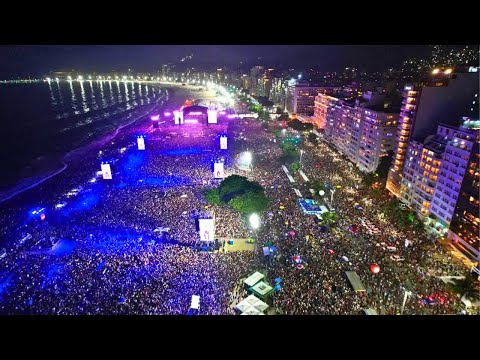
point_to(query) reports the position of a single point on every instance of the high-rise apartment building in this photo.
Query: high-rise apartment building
(255, 75)
(361, 129)
(464, 231)
(439, 172)
(446, 98)
(278, 92)
(301, 97)
(322, 103)
(377, 135)
(246, 82)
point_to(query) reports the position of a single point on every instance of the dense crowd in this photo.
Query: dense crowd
(109, 258)
(321, 287)
(120, 263)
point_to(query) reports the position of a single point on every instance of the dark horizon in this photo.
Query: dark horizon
(36, 60)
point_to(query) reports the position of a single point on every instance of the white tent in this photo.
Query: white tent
(261, 306)
(251, 311)
(251, 302)
(253, 279)
(256, 302)
(243, 305)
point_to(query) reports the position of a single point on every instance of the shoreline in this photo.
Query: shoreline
(31, 182)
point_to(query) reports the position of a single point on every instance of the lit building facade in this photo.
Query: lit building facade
(402, 137)
(246, 82)
(255, 74)
(278, 92)
(345, 132)
(421, 171)
(322, 104)
(446, 98)
(464, 231)
(437, 174)
(377, 126)
(301, 98)
(361, 131)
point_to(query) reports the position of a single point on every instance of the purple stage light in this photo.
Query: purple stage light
(195, 113)
(232, 116)
(155, 117)
(167, 113)
(191, 121)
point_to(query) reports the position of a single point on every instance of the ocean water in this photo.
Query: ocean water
(40, 122)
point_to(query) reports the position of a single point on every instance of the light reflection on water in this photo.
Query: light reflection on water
(79, 103)
(95, 100)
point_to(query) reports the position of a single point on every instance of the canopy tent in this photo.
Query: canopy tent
(243, 305)
(253, 279)
(370, 312)
(256, 302)
(252, 311)
(355, 281)
(262, 289)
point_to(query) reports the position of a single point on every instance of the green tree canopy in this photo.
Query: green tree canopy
(236, 185)
(240, 193)
(295, 167)
(329, 218)
(212, 196)
(250, 202)
(384, 166)
(370, 178)
(299, 126)
(317, 185)
(312, 138)
(290, 152)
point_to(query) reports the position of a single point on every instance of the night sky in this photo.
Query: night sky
(38, 60)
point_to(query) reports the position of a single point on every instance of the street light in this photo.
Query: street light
(255, 224)
(332, 191)
(254, 221)
(247, 157)
(405, 296)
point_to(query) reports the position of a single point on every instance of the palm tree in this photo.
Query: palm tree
(467, 287)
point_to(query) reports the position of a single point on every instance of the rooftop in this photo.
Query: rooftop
(386, 108)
